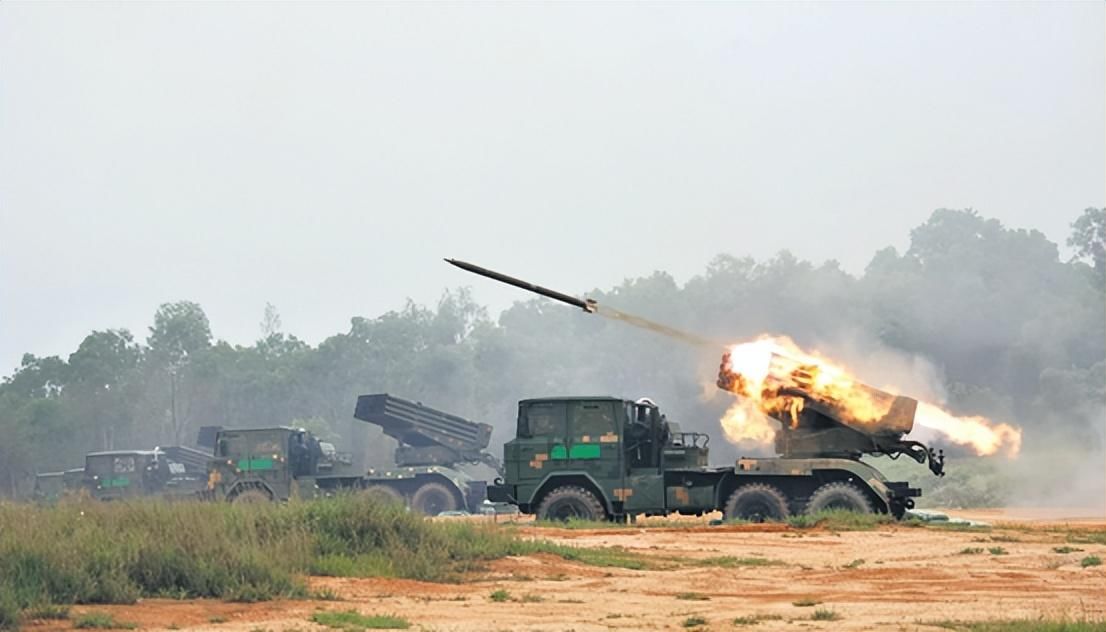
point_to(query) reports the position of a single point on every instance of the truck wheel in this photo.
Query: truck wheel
(842, 496)
(433, 498)
(568, 502)
(250, 496)
(384, 494)
(757, 502)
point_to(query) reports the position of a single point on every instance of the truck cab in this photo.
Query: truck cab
(122, 474)
(598, 457)
(264, 464)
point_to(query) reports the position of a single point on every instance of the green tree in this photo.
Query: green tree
(1088, 237)
(179, 334)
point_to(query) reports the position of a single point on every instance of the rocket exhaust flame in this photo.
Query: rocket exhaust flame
(775, 378)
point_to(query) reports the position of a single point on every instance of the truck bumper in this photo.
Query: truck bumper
(502, 494)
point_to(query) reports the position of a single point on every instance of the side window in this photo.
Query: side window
(544, 418)
(593, 419)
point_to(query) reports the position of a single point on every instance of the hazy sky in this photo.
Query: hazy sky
(325, 157)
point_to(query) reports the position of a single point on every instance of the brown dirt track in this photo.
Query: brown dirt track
(909, 576)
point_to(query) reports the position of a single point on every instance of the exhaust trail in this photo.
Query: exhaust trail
(591, 306)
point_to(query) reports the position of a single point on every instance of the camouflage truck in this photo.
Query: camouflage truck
(127, 474)
(608, 458)
(275, 464)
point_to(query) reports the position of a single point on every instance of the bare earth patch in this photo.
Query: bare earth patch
(906, 576)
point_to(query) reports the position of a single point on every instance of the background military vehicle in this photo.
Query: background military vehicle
(279, 463)
(123, 474)
(603, 457)
(433, 447)
(52, 486)
(265, 464)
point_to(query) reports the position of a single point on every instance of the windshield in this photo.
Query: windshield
(243, 444)
(109, 465)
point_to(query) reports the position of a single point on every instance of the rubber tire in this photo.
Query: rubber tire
(433, 498)
(251, 496)
(570, 501)
(384, 494)
(839, 495)
(757, 502)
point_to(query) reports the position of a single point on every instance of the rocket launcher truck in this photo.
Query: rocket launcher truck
(607, 458)
(275, 464)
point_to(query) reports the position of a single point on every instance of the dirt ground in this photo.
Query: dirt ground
(894, 578)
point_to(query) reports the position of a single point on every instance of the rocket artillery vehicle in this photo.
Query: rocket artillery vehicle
(125, 474)
(267, 464)
(607, 458)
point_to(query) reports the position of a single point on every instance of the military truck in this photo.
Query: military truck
(125, 474)
(608, 458)
(266, 464)
(279, 463)
(53, 486)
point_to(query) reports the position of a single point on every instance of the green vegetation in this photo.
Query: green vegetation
(499, 596)
(100, 621)
(47, 611)
(353, 621)
(756, 618)
(855, 563)
(116, 553)
(1087, 537)
(1090, 560)
(1066, 549)
(806, 602)
(839, 520)
(729, 561)
(326, 594)
(694, 621)
(997, 550)
(822, 614)
(217, 619)
(970, 550)
(1019, 625)
(693, 596)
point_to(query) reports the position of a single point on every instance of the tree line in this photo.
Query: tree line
(1004, 325)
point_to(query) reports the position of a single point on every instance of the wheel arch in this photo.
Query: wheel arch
(435, 477)
(559, 479)
(241, 487)
(873, 488)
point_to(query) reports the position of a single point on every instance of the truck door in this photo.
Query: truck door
(593, 441)
(644, 479)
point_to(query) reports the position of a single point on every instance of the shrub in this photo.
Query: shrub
(499, 596)
(1091, 560)
(822, 614)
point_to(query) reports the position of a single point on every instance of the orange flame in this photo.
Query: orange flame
(775, 377)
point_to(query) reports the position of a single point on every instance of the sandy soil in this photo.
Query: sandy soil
(896, 578)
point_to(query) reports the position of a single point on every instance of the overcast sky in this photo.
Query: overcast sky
(325, 157)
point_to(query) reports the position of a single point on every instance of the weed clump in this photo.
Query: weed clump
(693, 596)
(839, 520)
(694, 622)
(1091, 560)
(354, 621)
(822, 614)
(101, 621)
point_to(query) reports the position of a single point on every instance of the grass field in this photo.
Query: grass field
(86, 553)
